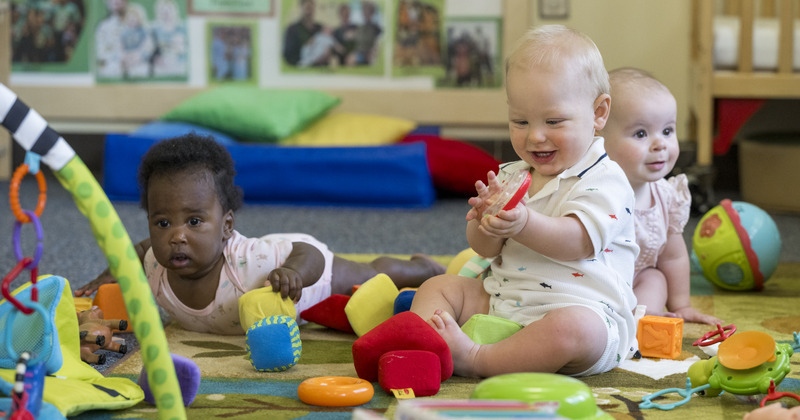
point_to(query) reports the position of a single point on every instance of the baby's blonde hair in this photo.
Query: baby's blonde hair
(634, 77)
(558, 44)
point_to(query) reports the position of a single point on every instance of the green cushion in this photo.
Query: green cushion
(253, 114)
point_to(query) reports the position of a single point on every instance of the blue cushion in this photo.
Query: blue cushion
(161, 130)
(374, 176)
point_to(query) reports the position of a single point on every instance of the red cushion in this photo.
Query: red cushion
(404, 331)
(330, 313)
(416, 369)
(455, 165)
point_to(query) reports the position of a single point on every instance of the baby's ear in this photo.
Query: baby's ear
(227, 225)
(602, 108)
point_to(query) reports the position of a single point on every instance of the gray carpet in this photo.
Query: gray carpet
(71, 251)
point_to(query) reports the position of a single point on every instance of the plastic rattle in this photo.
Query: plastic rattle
(513, 189)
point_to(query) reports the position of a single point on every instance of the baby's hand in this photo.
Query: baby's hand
(89, 288)
(507, 224)
(690, 314)
(485, 194)
(286, 281)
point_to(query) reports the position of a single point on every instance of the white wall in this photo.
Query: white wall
(650, 34)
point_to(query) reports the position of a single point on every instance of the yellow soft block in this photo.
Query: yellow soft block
(660, 336)
(371, 304)
(261, 303)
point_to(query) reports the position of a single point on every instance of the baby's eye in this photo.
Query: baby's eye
(194, 221)
(520, 122)
(552, 122)
(162, 223)
(640, 134)
(668, 131)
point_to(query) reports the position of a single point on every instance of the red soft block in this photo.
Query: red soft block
(419, 370)
(330, 313)
(455, 165)
(404, 331)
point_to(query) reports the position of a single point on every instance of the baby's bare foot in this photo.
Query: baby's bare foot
(462, 348)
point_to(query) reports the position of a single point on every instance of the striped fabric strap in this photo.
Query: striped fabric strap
(31, 131)
(475, 266)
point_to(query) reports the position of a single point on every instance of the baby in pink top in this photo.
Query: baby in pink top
(640, 137)
(199, 266)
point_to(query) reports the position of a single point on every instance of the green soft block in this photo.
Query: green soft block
(488, 329)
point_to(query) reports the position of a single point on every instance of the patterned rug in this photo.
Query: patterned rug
(232, 389)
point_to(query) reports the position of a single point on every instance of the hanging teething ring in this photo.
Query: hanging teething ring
(7, 281)
(15, 240)
(13, 195)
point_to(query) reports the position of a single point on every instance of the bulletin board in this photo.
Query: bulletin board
(76, 98)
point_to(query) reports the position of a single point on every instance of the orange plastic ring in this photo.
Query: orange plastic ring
(335, 391)
(13, 194)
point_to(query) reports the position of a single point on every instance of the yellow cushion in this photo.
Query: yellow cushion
(347, 129)
(258, 304)
(371, 304)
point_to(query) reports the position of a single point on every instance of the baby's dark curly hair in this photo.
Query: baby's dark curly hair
(196, 153)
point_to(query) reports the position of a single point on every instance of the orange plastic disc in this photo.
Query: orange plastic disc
(746, 350)
(13, 194)
(335, 391)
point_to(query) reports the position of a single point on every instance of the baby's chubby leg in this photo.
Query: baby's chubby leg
(567, 340)
(461, 297)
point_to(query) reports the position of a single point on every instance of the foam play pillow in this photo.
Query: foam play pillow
(455, 165)
(404, 331)
(330, 313)
(371, 304)
(251, 114)
(349, 129)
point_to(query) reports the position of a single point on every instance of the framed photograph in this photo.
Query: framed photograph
(333, 36)
(418, 38)
(50, 37)
(553, 9)
(263, 8)
(232, 47)
(140, 41)
(473, 49)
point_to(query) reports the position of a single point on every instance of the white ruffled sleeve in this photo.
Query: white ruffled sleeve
(681, 203)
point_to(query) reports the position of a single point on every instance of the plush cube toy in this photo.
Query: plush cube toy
(330, 313)
(404, 331)
(419, 370)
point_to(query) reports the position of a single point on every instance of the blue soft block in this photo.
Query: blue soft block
(375, 176)
(403, 301)
(273, 344)
(188, 374)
